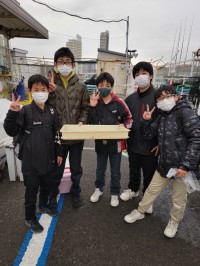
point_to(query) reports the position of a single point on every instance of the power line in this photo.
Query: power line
(93, 20)
(77, 16)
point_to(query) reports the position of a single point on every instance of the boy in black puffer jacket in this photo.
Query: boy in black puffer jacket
(178, 131)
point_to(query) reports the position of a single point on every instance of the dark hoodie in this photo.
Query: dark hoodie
(179, 146)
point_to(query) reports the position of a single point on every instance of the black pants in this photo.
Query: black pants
(75, 156)
(137, 162)
(32, 184)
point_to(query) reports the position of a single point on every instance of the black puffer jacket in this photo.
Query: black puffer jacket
(178, 134)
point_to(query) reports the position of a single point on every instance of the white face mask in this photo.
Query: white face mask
(166, 104)
(40, 97)
(64, 70)
(142, 81)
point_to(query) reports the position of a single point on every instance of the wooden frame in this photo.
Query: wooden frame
(76, 132)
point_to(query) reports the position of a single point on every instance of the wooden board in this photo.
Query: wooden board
(76, 132)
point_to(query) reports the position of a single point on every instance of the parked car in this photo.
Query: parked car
(91, 80)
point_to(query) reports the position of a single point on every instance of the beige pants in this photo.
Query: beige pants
(179, 196)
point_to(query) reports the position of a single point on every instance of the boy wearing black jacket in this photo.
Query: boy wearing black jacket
(178, 130)
(142, 153)
(37, 126)
(108, 109)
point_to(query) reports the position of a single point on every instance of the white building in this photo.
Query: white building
(75, 45)
(104, 40)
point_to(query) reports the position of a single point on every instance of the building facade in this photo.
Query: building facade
(75, 45)
(104, 40)
(118, 66)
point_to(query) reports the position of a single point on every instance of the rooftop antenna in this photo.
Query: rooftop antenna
(189, 38)
(172, 53)
(177, 48)
(182, 41)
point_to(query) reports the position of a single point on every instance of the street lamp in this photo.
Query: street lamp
(133, 53)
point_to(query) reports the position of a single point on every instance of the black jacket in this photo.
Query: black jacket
(178, 134)
(137, 103)
(39, 150)
(114, 113)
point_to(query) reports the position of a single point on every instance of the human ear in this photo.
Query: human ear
(176, 97)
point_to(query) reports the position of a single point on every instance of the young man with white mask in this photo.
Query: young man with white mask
(37, 129)
(142, 153)
(70, 98)
(178, 131)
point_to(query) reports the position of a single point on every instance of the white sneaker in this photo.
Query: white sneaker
(171, 229)
(114, 201)
(134, 216)
(95, 196)
(149, 210)
(128, 194)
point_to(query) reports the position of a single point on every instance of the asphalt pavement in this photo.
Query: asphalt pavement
(96, 234)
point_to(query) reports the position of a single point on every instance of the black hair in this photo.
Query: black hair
(142, 66)
(105, 76)
(35, 79)
(64, 51)
(168, 89)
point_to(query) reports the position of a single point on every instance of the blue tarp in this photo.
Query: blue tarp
(20, 91)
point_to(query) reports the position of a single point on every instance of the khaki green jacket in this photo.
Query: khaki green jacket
(71, 103)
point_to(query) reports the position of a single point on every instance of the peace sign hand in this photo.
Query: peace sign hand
(148, 114)
(52, 85)
(94, 99)
(15, 105)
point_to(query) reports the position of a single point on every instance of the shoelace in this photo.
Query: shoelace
(34, 222)
(127, 191)
(133, 212)
(172, 225)
(115, 197)
(96, 193)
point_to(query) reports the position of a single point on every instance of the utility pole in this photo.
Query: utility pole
(127, 31)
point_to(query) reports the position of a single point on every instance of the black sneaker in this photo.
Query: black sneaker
(76, 201)
(50, 211)
(34, 225)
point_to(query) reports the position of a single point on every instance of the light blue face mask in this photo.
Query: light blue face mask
(104, 92)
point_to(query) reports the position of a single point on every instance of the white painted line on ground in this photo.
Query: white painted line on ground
(35, 248)
(36, 243)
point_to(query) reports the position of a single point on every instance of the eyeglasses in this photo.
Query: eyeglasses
(162, 97)
(62, 63)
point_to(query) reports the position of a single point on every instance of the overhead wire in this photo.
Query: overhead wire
(77, 16)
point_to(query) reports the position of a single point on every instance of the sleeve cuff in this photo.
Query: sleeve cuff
(183, 168)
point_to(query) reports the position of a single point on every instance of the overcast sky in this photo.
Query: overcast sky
(152, 29)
